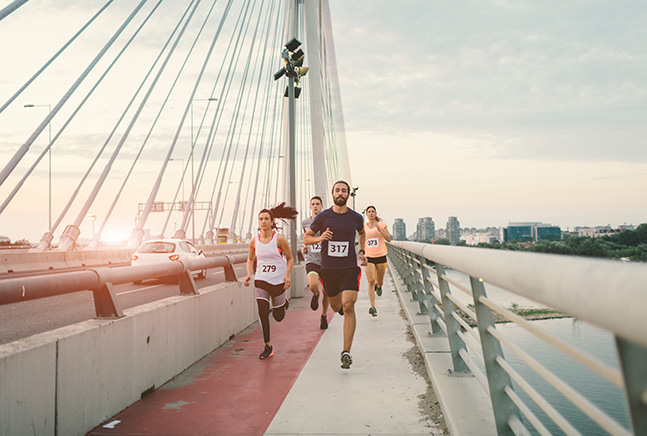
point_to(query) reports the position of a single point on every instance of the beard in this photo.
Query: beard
(341, 200)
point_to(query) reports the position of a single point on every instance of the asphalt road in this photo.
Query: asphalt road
(27, 318)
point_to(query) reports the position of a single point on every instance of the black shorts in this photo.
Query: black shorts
(376, 260)
(344, 279)
(273, 290)
(313, 267)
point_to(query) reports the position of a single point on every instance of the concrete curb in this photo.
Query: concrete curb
(466, 406)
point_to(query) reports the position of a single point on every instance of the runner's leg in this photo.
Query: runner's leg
(349, 298)
(264, 318)
(370, 277)
(381, 270)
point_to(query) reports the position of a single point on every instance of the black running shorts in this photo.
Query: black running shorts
(337, 280)
(313, 267)
(376, 260)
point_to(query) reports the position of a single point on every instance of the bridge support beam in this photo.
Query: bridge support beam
(632, 360)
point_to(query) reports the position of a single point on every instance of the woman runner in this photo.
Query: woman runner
(274, 264)
(376, 237)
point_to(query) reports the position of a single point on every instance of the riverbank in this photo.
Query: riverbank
(528, 313)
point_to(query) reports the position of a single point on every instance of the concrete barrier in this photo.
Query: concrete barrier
(30, 261)
(70, 380)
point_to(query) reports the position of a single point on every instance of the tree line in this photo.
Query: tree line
(629, 244)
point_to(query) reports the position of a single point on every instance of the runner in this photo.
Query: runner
(339, 269)
(376, 238)
(274, 264)
(312, 255)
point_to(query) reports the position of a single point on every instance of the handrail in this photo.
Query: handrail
(605, 293)
(101, 280)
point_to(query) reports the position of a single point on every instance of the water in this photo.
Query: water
(586, 337)
(594, 341)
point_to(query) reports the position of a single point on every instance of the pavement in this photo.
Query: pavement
(301, 390)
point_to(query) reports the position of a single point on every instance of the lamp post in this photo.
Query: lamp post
(49, 156)
(92, 218)
(192, 177)
(182, 170)
(353, 193)
(292, 57)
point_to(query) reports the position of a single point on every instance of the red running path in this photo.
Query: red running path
(230, 391)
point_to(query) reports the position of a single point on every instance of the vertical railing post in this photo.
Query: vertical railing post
(632, 361)
(419, 285)
(434, 314)
(456, 344)
(498, 379)
(407, 269)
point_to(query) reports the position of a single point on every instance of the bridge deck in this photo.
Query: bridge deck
(302, 389)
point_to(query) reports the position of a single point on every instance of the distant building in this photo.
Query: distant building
(426, 229)
(441, 234)
(399, 230)
(595, 232)
(531, 232)
(453, 230)
(546, 232)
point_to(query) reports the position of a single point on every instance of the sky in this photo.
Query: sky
(496, 111)
(491, 111)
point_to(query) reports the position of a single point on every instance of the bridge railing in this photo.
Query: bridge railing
(101, 281)
(608, 294)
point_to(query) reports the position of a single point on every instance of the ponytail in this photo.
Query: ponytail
(281, 212)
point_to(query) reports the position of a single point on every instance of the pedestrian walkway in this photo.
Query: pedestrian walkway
(301, 389)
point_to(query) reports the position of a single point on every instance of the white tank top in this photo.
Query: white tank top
(270, 262)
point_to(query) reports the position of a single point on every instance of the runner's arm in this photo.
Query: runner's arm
(384, 232)
(283, 244)
(361, 240)
(310, 239)
(250, 261)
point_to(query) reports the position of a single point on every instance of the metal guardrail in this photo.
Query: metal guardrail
(607, 294)
(101, 281)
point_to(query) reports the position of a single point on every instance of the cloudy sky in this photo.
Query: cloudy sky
(496, 111)
(490, 111)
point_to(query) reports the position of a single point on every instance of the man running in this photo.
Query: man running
(339, 269)
(312, 254)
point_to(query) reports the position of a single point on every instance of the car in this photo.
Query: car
(167, 250)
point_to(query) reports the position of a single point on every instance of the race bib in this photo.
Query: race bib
(316, 248)
(337, 248)
(372, 242)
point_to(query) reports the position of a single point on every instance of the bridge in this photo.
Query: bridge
(184, 121)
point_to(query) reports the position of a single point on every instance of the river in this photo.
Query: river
(586, 337)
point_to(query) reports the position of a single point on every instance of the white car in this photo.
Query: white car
(167, 250)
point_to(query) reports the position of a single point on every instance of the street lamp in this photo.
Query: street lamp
(292, 57)
(92, 218)
(353, 193)
(49, 153)
(192, 177)
(182, 169)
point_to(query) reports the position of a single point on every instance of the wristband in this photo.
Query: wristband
(362, 252)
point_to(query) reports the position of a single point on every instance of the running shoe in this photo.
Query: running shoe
(372, 311)
(346, 360)
(268, 352)
(314, 303)
(324, 322)
(379, 291)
